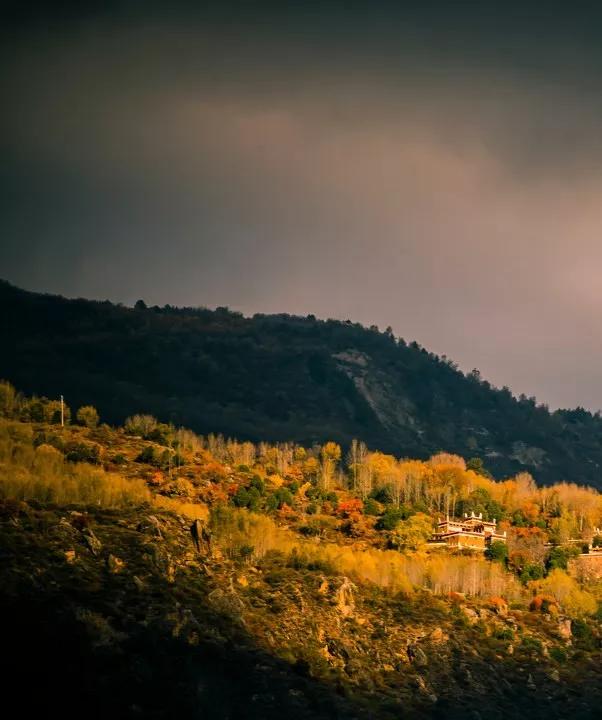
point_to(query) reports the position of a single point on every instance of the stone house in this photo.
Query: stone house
(470, 532)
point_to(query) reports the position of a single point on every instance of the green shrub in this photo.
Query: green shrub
(531, 571)
(83, 452)
(531, 644)
(559, 557)
(390, 519)
(382, 495)
(147, 455)
(558, 654)
(371, 507)
(503, 633)
(497, 551)
(280, 497)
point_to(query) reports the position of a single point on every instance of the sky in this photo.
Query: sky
(435, 167)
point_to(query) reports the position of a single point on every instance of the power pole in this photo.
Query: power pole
(62, 412)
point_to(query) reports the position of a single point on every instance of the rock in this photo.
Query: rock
(425, 689)
(531, 683)
(554, 675)
(114, 564)
(66, 527)
(93, 543)
(164, 563)
(417, 656)
(438, 636)
(226, 602)
(471, 615)
(344, 598)
(151, 526)
(565, 628)
(140, 586)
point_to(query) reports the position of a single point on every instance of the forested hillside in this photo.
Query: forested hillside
(153, 572)
(281, 377)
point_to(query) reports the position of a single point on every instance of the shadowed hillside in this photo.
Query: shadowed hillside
(281, 377)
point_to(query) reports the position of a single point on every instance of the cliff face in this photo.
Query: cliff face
(115, 614)
(284, 378)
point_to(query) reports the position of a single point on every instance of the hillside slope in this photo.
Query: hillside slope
(282, 377)
(136, 585)
(145, 627)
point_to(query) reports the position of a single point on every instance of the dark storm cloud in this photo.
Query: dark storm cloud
(432, 167)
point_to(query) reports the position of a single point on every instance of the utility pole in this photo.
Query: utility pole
(62, 412)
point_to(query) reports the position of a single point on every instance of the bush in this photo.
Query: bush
(390, 519)
(531, 571)
(497, 552)
(247, 498)
(280, 497)
(559, 557)
(382, 495)
(143, 425)
(503, 633)
(87, 416)
(544, 604)
(532, 644)
(371, 507)
(43, 410)
(147, 455)
(83, 452)
(583, 635)
(258, 484)
(558, 654)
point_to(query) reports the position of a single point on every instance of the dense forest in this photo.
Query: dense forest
(282, 377)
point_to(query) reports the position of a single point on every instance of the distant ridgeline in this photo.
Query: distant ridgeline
(281, 377)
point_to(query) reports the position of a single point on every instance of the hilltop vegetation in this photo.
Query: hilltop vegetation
(280, 378)
(364, 501)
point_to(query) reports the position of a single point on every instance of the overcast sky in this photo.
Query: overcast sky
(436, 167)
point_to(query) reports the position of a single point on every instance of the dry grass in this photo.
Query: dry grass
(41, 474)
(243, 532)
(192, 511)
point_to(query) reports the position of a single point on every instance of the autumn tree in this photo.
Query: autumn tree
(356, 459)
(330, 455)
(413, 533)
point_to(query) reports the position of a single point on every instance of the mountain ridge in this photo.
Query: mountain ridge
(284, 377)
